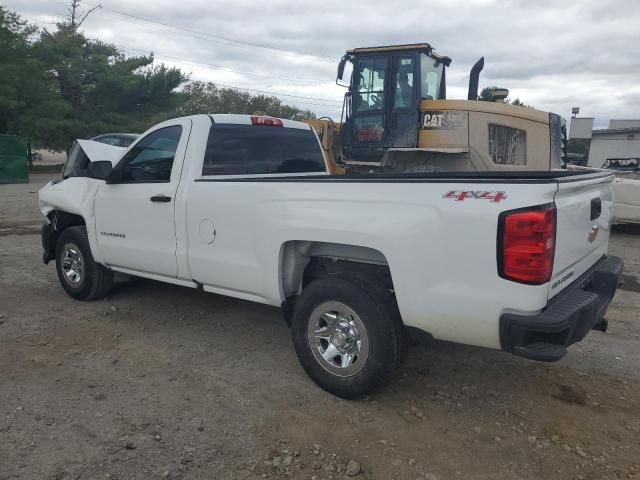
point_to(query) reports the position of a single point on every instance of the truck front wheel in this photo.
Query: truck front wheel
(80, 276)
(348, 334)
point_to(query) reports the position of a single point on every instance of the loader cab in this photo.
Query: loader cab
(381, 109)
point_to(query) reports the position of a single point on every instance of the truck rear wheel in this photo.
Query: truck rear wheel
(80, 276)
(348, 334)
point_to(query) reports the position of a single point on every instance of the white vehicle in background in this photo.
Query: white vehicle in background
(626, 189)
(626, 194)
(243, 206)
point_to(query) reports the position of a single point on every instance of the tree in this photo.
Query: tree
(103, 89)
(27, 107)
(58, 85)
(14, 33)
(200, 97)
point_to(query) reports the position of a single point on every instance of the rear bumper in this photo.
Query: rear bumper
(567, 318)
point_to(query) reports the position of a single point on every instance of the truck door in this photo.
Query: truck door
(135, 215)
(404, 117)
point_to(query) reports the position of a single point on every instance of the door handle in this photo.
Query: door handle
(160, 198)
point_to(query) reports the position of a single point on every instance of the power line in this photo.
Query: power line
(337, 102)
(266, 92)
(210, 37)
(219, 67)
(275, 94)
(295, 100)
(236, 42)
(221, 38)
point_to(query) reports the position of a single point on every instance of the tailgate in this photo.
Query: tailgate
(584, 213)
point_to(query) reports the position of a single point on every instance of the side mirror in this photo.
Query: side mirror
(341, 73)
(341, 68)
(99, 170)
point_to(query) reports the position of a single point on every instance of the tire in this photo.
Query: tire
(356, 318)
(81, 277)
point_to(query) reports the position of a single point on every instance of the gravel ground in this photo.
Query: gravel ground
(159, 381)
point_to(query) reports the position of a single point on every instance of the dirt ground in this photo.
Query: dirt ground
(159, 381)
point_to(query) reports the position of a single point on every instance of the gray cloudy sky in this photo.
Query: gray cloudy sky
(550, 54)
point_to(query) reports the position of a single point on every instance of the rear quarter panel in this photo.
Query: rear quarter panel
(441, 252)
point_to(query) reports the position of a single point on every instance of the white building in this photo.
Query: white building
(620, 141)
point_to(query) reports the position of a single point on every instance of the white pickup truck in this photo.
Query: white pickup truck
(242, 206)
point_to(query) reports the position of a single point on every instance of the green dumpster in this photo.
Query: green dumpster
(14, 160)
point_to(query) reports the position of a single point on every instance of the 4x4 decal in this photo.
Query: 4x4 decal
(460, 196)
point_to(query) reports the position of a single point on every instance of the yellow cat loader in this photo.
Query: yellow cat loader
(396, 116)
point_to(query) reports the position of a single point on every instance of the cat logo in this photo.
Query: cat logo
(432, 120)
(444, 120)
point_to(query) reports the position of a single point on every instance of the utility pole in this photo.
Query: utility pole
(74, 14)
(75, 4)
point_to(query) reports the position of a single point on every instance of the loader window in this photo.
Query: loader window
(430, 77)
(404, 82)
(369, 77)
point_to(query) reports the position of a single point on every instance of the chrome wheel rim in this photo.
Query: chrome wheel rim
(72, 264)
(338, 339)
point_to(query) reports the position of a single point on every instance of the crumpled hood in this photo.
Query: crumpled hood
(97, 151)
(75, 194)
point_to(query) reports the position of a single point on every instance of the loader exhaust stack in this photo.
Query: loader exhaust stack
(473, 79)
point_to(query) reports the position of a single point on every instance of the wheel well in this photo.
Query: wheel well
(58, 221)
(302, 262)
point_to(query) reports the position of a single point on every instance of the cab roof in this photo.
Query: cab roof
(425, 47)
(240, 119)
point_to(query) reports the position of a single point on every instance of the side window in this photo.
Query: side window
(404, 83)
(507, 145)
(431, 76)
(251, 150)
(151, 159)
(370, 77)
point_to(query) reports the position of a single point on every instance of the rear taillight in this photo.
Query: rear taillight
(526, 242)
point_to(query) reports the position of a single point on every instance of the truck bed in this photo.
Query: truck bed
(424, 177)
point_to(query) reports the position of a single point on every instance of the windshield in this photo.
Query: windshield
(430, 77)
